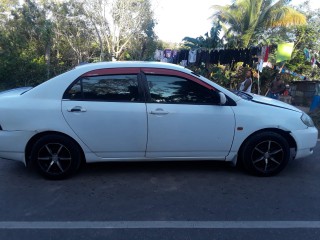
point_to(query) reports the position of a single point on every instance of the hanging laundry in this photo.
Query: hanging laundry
(167, 53)
(183, 55)
(260, 65)
(164, 59)
(175, 56)
(263, 52)
(158, 55)
(267, 64)
(313, 61)
(266, 55)
(192, 56)
(184, 63)
(307, 54)
(214, 57)
(284, 51)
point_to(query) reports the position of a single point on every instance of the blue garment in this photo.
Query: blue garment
(307, 54)
(273, 95)
(315, 103)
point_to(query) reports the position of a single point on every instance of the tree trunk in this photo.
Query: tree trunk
(47, 58)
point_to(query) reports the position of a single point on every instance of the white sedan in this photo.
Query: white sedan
(147, 111)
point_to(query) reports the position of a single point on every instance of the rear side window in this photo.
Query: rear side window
(115, 88)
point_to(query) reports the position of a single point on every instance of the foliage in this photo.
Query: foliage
(208, 41)
(116, 23)
(244, 18)
(144, 43)
(40, 39)
(261, 22)
(24, 42)
(306, 37)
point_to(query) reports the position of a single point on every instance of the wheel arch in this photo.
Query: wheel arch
(38, 136)
(286, 134)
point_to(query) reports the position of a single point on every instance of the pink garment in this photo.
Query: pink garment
(266, 55)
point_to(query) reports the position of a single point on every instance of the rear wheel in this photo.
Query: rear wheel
(56, 156)
(265, 154)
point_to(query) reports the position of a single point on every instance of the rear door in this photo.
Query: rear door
(185, 118)
(106, 109)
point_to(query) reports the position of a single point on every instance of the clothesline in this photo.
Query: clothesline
(200, 56)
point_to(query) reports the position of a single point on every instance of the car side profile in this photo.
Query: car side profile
(147, 111)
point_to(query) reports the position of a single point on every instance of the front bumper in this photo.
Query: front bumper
(13, 144)
(306, 140)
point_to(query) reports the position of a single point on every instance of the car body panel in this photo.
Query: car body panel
(110, 130)
(207, 132)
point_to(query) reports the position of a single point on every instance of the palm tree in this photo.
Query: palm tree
(209, 41)
(244, 18)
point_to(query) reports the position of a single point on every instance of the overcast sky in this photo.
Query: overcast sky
(180, 18)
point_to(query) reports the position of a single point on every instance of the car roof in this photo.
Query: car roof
(139, 64)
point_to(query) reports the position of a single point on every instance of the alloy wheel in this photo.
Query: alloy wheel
(267, 156)
(54, 158)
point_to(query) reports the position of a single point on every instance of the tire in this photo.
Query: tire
(56, 157)
(265, 154)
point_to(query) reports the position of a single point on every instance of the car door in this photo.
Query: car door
(185, 118)
(106, 109)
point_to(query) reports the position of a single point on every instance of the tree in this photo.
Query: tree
(74, 39)
(209, 41)
(306, 38)
(26, 42)
(42, 38)
(116, 22)
(5, 8)
(244, 18)
(143, 45)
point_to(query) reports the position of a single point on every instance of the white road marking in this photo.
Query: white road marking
(158, 224)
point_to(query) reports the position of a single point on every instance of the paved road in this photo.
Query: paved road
(180, 200)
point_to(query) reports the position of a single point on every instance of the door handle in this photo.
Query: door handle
(77, 109)
(159, 111)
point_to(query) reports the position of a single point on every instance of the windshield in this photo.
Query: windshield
(243, 95)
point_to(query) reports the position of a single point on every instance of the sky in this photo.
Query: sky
(181, 18)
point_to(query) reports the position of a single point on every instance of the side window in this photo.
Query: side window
(116, 88)
(172, 89)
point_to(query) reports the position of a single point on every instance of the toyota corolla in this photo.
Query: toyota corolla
(146, 111)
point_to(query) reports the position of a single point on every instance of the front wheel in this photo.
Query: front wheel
(265, 154)
(56, 156)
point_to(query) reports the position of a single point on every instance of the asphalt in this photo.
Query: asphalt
(138, 195)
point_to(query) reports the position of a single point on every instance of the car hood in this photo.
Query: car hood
(272, 102)
(14, 92)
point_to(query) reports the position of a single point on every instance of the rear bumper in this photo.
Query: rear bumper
(306, 140)
(13, 144)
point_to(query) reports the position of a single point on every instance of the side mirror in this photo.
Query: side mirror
(223, 98)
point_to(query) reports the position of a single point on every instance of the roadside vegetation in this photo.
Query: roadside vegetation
(41, 39)
(248, 23)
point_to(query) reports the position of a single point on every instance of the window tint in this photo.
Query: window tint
(171, 89)
(105, 88)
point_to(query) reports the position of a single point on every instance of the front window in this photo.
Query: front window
(173, 89)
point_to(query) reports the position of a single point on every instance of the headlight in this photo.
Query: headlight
(307, 120)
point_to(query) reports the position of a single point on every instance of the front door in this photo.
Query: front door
(185, 119)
